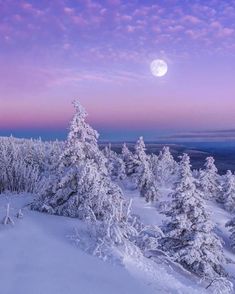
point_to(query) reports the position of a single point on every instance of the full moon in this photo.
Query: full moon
(158, 67)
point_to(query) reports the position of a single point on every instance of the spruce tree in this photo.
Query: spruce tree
(81, 186)
(140, 161)
(115, 164)
(228, 192)
(146, 183)
(165, 167)
(134, 161)
(209, 180)
(144, 176)
(139, 170)
(128, 159)
(189, 236)
(231, 225)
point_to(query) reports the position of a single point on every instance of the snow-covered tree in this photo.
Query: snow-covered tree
(16, 173)
(220, 285)
(115, 164)
(23, 162)
(165, 167)
(189, 236)
(140, 149)
(128, 159)
(20, 214)
(140, 161)
(133, 161)
(148, 239)
(231, 225)
(53, 151)
(146, 183)
(81, 186)
(7, 219)
(227, 193)
(153, 162)
(142, 174)
(208, 181)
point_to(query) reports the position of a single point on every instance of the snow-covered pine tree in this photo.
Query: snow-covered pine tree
(189, 236)
(128, 159)
(133, 161)
(208, 180)
(227, 193)
(143, 174)
(165, 167)
(140, 149)
(140, 161)
(231, 225)
(115, 164)
(146, 183)
(153, 161)
(81, 186)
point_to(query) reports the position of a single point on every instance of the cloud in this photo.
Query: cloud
(191, 19)
(130, 29)
(79, 20)
(226, 32)
(69, 10)
(28, 7)
(122, 25)
(114, 2)
(213, 135)
(30, 78)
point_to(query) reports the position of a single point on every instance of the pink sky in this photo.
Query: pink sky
(100, 52)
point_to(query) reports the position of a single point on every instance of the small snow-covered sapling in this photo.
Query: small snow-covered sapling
(7, 219)
(20, 214)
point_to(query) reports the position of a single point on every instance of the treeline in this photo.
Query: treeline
(23, 163)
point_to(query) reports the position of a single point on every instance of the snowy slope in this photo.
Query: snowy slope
(36, 256)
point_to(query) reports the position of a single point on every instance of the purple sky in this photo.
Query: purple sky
(100, 51)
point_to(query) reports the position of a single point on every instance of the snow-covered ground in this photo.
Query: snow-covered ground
(37, 256)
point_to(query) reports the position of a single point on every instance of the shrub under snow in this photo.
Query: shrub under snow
(23, 162)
